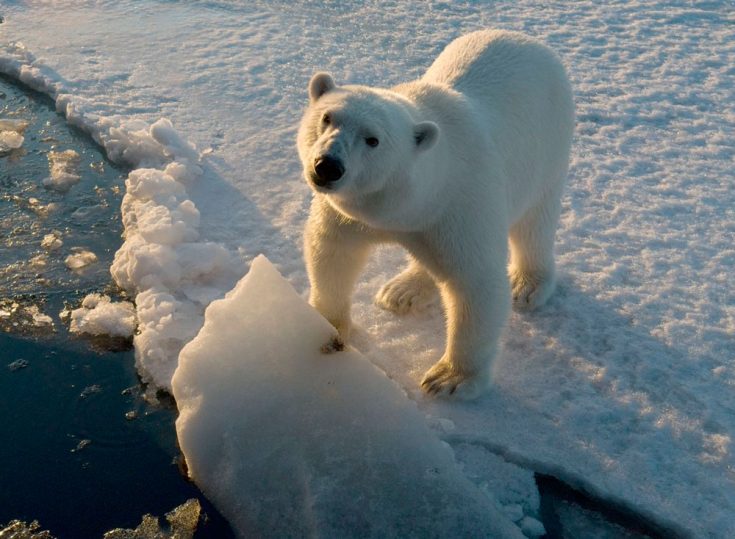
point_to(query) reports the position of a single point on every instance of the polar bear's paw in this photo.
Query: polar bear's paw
(406, 292)
(443, 379)
(530, 291)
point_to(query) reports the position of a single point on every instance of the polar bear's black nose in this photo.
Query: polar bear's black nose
(328, 170)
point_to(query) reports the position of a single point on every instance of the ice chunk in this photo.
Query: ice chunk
(18, 364)
(10, 140)
(17, 529)
(24, 318)
(98, 315)
(289, 441)
(81, 445)
(80, 258)
(532, 527)
(11, 134)
(182, 522)
(52, 241)
(63, 167)
(37, 317)
(16, 126)
(39, 261)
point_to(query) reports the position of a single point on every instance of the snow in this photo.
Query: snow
(99, 315)
(621, 386)
(173, 275)
(290, 441)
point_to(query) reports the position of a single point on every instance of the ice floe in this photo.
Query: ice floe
(290, 441)
(99, 315)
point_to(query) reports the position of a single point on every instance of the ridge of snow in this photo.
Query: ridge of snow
(162, 263)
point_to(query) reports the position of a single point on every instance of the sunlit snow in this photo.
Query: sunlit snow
(621, 386)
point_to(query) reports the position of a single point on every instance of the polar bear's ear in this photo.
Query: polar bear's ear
(426, 134)
(320, 84)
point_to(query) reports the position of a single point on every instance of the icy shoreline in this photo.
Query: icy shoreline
(162, 263)
(623, 385)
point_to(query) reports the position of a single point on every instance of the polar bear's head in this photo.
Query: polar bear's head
(359, 146)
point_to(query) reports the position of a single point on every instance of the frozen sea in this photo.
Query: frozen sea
(622, 387)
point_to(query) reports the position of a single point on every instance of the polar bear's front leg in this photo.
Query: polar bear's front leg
(477, 311)
(335, 249)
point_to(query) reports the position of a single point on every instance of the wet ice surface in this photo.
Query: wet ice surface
(82, 435)
(45, 233)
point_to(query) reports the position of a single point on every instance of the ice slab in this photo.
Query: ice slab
(289, 441)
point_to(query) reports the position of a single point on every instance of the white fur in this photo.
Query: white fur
(473, 153)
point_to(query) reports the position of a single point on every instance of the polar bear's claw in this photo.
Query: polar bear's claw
(529, 291)
(444, 380)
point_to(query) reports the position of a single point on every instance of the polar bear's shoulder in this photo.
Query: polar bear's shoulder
(435, 100)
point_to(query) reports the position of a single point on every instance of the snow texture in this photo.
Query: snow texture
(99, 315)
(324, 444)
(622, 385)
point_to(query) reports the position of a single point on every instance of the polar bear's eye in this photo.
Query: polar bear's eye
(372, 142)
(326, 119)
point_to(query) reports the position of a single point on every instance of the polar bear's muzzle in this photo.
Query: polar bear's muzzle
(327, 170)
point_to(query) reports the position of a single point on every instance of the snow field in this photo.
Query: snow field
(623, 384)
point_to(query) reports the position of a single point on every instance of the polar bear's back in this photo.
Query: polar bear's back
(495, 59)
(519, 92)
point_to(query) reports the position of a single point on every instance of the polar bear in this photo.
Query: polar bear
(459, 167)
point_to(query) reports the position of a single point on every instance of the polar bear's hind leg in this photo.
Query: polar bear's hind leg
(532, 269)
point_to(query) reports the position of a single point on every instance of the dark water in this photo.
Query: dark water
(82, 452)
